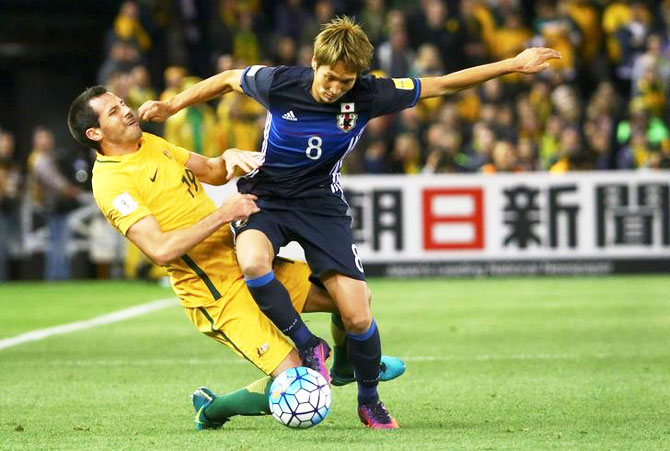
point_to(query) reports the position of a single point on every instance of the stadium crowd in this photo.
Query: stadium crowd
(601, 107)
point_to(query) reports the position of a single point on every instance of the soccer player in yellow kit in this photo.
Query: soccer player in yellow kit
(150, 191)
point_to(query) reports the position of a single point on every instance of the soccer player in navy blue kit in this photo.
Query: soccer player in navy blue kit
(316, 115)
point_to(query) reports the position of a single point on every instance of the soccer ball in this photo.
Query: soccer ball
(299, 398)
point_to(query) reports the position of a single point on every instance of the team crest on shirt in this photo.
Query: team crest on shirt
(346, 120)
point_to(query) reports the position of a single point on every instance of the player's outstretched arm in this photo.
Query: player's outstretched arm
(164, 247)
(214, 86)
(220, 170)
(530, 61)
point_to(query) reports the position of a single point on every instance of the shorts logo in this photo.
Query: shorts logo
(240, 223)
(262, 349)
(346, 120)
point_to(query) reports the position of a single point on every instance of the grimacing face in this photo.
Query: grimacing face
(118, 122)
(331, 83)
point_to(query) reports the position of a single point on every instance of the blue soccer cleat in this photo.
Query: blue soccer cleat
(202, 398)
(389, 369)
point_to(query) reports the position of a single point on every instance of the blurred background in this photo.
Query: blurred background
(602, 107)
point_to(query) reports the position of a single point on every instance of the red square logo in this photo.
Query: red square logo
(453, 218)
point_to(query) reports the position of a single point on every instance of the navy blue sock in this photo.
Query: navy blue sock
(365, 352)
(275, 302)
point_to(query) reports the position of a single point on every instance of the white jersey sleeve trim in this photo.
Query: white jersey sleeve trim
(253, 69)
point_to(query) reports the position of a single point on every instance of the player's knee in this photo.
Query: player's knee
(357, 323)
(255, 267)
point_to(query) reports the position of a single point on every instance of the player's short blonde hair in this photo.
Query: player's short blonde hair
(344, 40)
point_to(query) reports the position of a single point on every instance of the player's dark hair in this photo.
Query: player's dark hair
(82, 116)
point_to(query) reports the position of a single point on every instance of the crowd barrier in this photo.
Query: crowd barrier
(507, 224)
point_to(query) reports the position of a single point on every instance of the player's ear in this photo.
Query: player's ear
(94, 134)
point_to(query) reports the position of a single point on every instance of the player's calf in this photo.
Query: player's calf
(275, 302)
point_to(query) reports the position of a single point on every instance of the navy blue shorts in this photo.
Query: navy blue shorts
(327, 240)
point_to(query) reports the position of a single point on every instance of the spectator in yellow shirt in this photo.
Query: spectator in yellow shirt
(194, 127)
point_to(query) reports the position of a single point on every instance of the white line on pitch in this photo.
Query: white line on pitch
(498, 357)
(120, 315)
(409, 359)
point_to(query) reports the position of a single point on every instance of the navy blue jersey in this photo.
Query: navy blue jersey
(304, 141)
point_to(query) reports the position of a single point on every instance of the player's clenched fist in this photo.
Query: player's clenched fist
(154, 110)
(240, 206)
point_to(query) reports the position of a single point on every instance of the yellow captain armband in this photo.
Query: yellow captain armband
(403, 83)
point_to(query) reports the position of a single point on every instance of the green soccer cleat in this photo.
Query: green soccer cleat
(389, 369)
(202, 398)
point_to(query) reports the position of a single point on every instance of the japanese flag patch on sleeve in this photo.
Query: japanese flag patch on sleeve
(125, 204)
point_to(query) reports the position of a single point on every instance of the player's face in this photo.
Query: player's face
(331, 83)
(118, 122)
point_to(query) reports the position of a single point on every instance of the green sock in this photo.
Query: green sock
(341, 363)
(251, 400)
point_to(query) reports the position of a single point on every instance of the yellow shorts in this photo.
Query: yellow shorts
(235, 319)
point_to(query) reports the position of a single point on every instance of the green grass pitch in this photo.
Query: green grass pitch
(571, 363)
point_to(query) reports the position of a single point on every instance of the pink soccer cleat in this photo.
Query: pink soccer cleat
(376, 416)
(316, 357)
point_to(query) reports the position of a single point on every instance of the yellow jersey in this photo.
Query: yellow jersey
(154, 180)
